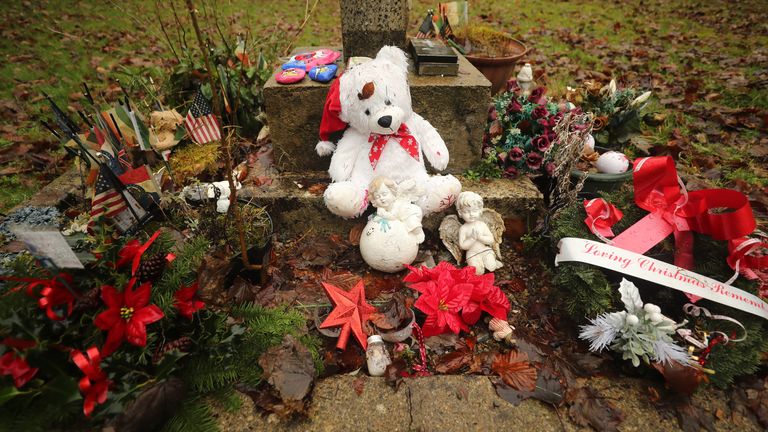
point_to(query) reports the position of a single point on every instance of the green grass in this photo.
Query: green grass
(53, 46)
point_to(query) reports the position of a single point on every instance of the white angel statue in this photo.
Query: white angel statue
(479, 236)
(391, 238)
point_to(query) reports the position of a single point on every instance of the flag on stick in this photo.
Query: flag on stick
(200, 121)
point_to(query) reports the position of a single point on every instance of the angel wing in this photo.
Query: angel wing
(449, 234)
(409, 190)
(495, 223)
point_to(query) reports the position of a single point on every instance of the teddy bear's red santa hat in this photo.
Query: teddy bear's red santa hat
(332, 122)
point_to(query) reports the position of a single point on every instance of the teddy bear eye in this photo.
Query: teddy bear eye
(387, 102)
(367, 112)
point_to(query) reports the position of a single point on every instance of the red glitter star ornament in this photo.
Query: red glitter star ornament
(350, 312)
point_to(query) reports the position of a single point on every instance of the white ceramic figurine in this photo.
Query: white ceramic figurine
(479, 237)
(392, 235)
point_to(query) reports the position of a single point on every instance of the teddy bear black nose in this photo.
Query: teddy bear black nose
(385, 121)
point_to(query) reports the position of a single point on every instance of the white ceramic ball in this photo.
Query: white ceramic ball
(387, 250)
(589, 143)
(612, 162)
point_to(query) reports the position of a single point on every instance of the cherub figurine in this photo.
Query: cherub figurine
(392, 236)
(391, 203)
(479, 236)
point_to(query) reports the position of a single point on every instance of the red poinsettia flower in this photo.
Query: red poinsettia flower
(442, 305)
(485, 297)
(450, 293)
(55, 292)
(127, 315)
(94, 384)
(186, 302)
(18, 368)
(132, 252)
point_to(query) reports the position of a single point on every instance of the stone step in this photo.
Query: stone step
(455, 105)
(459, 403)
(295, 202)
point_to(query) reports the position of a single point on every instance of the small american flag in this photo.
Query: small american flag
(106, 200)
(200, 121)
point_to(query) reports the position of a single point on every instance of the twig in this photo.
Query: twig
(165, 33)
(300, 30)
(181, 32)
(559, 417)
(130, 15)
(62, 33)
(233, 205)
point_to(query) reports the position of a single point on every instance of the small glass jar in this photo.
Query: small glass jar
(377, 356)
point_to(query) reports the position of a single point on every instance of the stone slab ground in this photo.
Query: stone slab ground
(456, 403)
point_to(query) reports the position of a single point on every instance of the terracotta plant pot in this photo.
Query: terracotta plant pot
(498, 63)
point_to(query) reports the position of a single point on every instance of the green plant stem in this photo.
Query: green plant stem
(226, 143)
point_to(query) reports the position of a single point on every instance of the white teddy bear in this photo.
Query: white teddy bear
(385, 137)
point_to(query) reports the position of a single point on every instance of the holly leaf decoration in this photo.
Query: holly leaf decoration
(515, 370)
(630, 296)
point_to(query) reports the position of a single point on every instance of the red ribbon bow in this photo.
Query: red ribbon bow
(674, 210)
(601, 216)
(133, 251)
(404, 137)
(94, 384)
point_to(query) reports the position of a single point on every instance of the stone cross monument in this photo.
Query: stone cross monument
(368, 25)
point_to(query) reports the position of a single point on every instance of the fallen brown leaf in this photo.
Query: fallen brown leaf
(515, 370)
(589, 408)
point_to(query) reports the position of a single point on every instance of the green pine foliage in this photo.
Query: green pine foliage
(585, 290)
(737, 358)
(194, 415)
(182, 271)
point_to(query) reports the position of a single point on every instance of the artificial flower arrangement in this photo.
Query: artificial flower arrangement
(520, 138)
(640, 332)
(76, 347)
(587, 291)
(617, 112)
(454, 298)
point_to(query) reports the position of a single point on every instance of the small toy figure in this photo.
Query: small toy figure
(479, 236)
(392, 235)
(164, 125)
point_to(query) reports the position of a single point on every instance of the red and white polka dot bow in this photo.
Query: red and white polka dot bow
(404, 137)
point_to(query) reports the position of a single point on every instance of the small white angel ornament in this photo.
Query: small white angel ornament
(479, 236)
(391, 238)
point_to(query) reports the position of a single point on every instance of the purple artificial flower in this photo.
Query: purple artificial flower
(549, 168)
(516, 154)
(548, 122)
(537, 96)
(514, 106)
(512, 86)
(492, 114)
(542, 143)
(511, 172)
(540, 112)
(534, 160)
